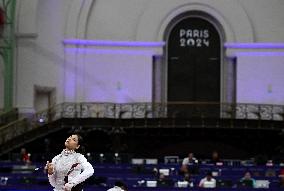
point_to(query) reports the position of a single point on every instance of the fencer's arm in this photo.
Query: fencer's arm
(51, 174)
(51, 179)
(88, 171)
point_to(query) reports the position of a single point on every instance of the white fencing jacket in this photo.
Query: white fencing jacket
(62, 164)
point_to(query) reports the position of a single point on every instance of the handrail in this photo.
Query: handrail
(12, 123)
(13, 129)
(8, 116)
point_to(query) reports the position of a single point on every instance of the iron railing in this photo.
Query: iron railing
(162, 110)
(185, 110)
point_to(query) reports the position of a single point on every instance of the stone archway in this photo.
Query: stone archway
(228, 29)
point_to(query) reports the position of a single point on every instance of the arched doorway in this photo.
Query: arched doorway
(194, 60)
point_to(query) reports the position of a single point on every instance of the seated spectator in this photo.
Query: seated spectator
(208, 181)
(164, 181)
(186, 182)
(118, 186)
(215, 159)
(247, 181)
(281, 173)
(189, 165)
(281, 178)
(269, 163)
(25, 157)
(270, 172)
(188, 178)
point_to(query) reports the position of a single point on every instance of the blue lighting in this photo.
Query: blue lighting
(41, 120)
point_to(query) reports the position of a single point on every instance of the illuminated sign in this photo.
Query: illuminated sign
(194, 37)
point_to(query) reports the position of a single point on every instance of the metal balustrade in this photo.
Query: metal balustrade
(163, 110)
(185, 114)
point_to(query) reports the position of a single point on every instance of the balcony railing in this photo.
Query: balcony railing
(162, 110)
(185, 110)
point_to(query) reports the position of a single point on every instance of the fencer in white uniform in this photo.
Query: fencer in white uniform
(69, 163)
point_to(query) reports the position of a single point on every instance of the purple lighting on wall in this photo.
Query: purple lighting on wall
(112, 43)
(111, 71)
(256, 49)
(88, 50)
(255, 45)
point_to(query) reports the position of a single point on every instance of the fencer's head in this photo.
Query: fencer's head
(73, 142)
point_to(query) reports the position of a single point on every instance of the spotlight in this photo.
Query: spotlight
(41, 120)
(102, 158)
(116, 158)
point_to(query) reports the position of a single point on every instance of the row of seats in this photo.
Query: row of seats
(137, 175)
